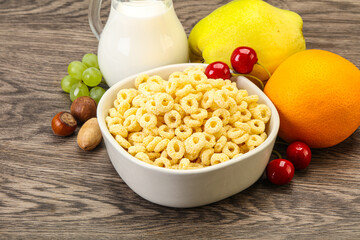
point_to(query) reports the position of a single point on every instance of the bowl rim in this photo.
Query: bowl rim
(106, 134)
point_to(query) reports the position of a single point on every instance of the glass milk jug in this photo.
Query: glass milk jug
(139, 35)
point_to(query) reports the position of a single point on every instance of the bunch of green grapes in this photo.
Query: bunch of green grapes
(82, 76)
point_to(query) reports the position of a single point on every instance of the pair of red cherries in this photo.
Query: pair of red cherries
(281, 171)
(242, 60)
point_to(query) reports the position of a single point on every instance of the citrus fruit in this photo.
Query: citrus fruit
(317, 94)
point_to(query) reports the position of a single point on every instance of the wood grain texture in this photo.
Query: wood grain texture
(51, 189)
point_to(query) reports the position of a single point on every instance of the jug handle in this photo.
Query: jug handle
(94, 17)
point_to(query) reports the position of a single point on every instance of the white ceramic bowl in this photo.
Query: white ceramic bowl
(187, 188)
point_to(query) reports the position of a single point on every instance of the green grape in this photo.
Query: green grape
(76, 69)
(96, 93)
(78, 90)
(92, 76)
(67, 82)
(90, 60)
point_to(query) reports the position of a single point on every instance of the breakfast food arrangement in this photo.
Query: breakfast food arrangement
(199, 118)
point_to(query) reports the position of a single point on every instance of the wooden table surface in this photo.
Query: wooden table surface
(49, 188)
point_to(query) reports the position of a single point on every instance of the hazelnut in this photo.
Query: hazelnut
(83, 108)
(63, 124)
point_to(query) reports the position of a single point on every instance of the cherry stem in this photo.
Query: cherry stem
(248, 75)
(267, 71)
(277, 154)
(281, 142)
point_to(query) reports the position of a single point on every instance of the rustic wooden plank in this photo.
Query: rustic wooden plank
(49, 188)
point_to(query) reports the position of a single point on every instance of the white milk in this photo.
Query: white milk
(139, 36)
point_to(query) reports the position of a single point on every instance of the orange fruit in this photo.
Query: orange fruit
(317, 94)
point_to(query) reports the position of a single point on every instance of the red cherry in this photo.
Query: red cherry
(299, 154)
(217, 70)
(280, 171)
(243, 59)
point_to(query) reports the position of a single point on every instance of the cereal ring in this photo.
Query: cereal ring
(221, 99)
(156, 83)
(148, 139)
(195, 143)
(192, 122)
(257, 126)
(126, 95)
(251, 99)
(220, 144)
(144, 89)
(213, 125)
(235, 132)
(177, 107)
(166, 132)
(163, 102)
(131, 111)
(133, 150)
(113, 120)
(170, 87)
(131, 124)
(197, 77)
(140, 112)
(118, 129)
(210, 140)
(231, 149)
(230, 89)
(184, 163)
(184, 91)
(121, 107)
(208, 99)
(172, 119)
(143, 157)
(262, 112)
(148, 121)
(217, 158)
(153, 155)
(217, 83)
(240, 96)
(200, 114)
(161, 145)
(162, 162)
(183, 132)
(114, 113)
(254, 141)
(137, 137)
(139, 101)
(122, 141)
(235, 117)
(175, 149)
(243, 126)
(151, 106)
(245, 115)
(241, 139)
(164, 155)
(205, 156)
(263, 136)
(152, 144)
(189, 104)
(192, 157)
(203, 87)
(223, 114)
(142, 78)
